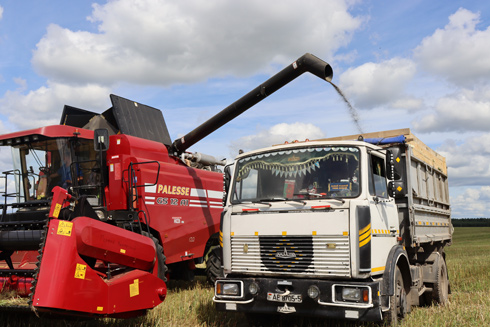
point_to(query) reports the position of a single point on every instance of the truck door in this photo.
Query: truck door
(384, 216)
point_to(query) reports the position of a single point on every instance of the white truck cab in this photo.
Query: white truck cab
(315, 228)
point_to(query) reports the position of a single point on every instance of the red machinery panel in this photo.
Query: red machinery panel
(67, 282)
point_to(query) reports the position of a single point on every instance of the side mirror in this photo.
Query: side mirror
(227, 181)
(101, 139)
(390, 169)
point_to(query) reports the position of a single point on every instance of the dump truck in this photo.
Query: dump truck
(99, 210)
(351, 227)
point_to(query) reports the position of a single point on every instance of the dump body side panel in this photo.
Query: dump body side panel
(422, 195)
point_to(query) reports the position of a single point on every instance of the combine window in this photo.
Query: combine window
(39, 166)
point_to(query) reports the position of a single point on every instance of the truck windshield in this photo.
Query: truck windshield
(300, 173)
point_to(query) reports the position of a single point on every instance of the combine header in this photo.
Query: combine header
(102, 208)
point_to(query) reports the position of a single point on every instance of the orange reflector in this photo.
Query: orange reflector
(252, 209)
(320, 207)
(365, 295)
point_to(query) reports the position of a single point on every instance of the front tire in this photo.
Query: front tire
(214, 268)
(161, 266)
(398, 301)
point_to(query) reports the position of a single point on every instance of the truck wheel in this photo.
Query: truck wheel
(398, 302)
(213, 265)
(440, 293)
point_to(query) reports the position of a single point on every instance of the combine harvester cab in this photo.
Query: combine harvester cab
(99, 210)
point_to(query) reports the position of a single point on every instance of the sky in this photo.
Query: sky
(423, 65)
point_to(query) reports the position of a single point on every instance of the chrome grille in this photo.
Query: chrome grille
(304, 255)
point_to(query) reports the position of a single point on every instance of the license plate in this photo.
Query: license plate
(289, 298)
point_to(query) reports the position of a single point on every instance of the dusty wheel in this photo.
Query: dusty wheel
(398, 302)
(161, 266)
(213, 265)
(440, 293)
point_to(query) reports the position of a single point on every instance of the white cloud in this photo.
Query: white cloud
(466, 110)
(468, 161)
(277, 134)
(409, 103)
(377, 84)
(44, 106)
(473, 202)
(1, 12)
(168, 42)
(459, 52)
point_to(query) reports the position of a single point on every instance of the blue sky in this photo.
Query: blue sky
(418, 64)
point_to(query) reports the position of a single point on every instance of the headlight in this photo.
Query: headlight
(351, 294)
(226, 288)
(253, 288)
(313, 291)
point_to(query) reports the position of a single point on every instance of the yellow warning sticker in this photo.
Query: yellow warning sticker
(122, 251)
(100, 309)
(64, 228)
(134, 289)
(57, 209)
(80, 271)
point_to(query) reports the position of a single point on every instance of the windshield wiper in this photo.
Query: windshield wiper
(267, 200)
(264, 201)
(341, 200)
(319, 195)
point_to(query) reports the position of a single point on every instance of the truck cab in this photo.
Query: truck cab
(314, 229)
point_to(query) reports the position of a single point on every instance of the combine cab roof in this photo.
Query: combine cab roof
(39, 134)
(124, 117)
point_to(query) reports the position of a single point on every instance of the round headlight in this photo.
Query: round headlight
(313, 291)
(253, 288)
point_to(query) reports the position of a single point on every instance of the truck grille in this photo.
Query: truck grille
(303, 255)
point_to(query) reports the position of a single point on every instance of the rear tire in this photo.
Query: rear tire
(440, 293)
(214, 268)
(398, 301)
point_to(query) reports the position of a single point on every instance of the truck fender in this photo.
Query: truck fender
(396, 257)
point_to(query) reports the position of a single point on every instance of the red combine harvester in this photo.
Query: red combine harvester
(98, 207)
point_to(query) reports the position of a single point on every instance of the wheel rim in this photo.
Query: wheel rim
(401, 298)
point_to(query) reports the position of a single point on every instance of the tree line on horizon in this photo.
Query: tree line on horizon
(471, 222)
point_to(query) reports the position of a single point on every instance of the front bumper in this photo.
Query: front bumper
(328, 304)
